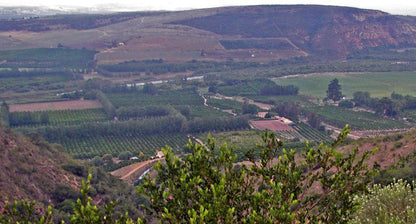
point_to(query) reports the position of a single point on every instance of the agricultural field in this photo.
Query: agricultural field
(163, 97)
(296, 99)
(68, 117)
(377, 84)
(273, 125)
(225, 104)
(90, 147)
(59, 105)
(46, 58)
(204, 111)
(357, 120)
(298, 132)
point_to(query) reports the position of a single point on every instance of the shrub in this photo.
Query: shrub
(394, 203)
(205, 187)
(124, 155)
(346, 104)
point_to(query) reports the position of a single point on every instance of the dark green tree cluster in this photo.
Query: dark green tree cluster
(28, 118)
(247, 108)
(389, 106)
(278, 90)
(5, 113)
(108, 107)
(205, 124)
(125, 113)
(289, 110)
(334, 91)
(83, 212)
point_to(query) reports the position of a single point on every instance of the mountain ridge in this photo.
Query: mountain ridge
(245, 33)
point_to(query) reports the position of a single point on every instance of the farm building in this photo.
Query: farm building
(285, 120)
(160, 154)
(261, 114)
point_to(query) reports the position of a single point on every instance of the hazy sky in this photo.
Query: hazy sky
(391, 6)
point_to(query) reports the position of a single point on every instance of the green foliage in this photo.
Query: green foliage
(334, 90)
(264, 87)
(25, 213)
(115, 144)
(4, 114)
(158, 67)
(109, 109)
(247, 108)
(346, 104)
(394, 203)
(361, 120)
(52, 57)
(124, 155)
(162, 98)
(206, 186)
(83, 211)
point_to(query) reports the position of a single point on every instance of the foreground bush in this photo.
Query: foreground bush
(207, 187)
(394, 203)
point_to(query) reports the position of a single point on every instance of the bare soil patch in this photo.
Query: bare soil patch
(58, 105)
(273, 125)
(131, 172)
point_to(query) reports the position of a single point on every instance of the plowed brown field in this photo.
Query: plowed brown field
(273, 125)
(58, 105)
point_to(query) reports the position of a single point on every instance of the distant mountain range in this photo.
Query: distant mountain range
(259, 33)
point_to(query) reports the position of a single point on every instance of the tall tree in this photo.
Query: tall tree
(4, 113)
(334, 90)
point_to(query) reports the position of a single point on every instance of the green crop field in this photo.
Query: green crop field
(297, 99)
(225, 104)
(47, 57)
(204, 111)
(359, 120)
(35, 82)
(68, 117)
(172, 97)
(147, 144)
(377, 84)
(76, 116)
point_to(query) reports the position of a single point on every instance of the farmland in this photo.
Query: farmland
(377, 84)
(359, 120)
(173, 97)
(273, 125)
(115, 144)
(59, 105)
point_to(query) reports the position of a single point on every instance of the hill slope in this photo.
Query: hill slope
(31, 169)
(256, 33)
(313, 28)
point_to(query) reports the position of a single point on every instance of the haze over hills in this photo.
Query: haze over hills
(258, 33)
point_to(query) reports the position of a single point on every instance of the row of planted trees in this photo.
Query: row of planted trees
(161, 125)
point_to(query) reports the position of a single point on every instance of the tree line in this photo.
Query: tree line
(176, 123)
(389, 106)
